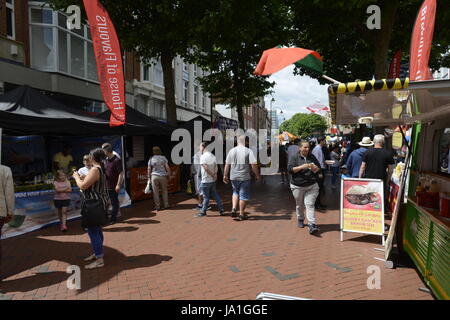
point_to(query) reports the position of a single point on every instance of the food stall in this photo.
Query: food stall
(421, 217)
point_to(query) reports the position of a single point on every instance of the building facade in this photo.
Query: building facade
(38, 50)
(256, 116)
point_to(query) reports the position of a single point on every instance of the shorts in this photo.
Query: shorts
(242, 189)
(62, 203)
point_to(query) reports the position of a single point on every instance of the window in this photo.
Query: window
(159, 110)
(54, 48)
(444, 151)
(158, 74)
(195, 71)
(145, 73)
(185, 71)
(10, 20)
(185, 91)
(195, 95)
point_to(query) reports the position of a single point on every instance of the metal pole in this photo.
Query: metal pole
(329, 79)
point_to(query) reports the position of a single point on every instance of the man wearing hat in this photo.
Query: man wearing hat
(355, 158)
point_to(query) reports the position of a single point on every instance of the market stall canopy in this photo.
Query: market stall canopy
(389, 101)
(25, 111)
(140, 124)
(286, 136)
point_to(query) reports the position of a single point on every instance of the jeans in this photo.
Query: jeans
(96, 236)
(209, 191)
(114, 196)
(335, 171)
(304, 200)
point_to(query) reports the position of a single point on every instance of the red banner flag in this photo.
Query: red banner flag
(422, 37)
(394, 70)
(109, 60)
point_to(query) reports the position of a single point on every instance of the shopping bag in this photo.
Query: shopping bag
(148, 188)
(189, 187)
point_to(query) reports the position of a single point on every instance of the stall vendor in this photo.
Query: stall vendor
(63, 160)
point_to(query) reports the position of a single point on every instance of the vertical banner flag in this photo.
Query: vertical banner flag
(421, 39)
(109, 60)
(394, 70)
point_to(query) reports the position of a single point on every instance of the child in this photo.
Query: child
(62, 197)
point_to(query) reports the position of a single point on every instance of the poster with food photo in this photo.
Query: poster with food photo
(362, 208)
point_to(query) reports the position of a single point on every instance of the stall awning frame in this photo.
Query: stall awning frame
(418, 101)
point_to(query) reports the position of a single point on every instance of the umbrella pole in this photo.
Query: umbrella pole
(329, 79)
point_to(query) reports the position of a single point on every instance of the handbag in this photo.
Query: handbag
(148, 188)
(93, 213)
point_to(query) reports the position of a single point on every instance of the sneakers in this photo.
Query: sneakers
(313, 228)
(199, 207)
(234, 212)
(199, 215)
(98, 263)
(300, 223)
(221, 212)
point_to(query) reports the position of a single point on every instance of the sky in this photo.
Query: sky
(293, 93)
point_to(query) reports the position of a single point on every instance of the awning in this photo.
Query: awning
(389, 101)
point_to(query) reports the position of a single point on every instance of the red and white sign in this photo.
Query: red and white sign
(394, 70)
(109, 60)
(421, 39)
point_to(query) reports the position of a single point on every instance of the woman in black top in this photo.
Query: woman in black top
(93, 186)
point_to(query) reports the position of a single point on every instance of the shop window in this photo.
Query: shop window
(444, 152)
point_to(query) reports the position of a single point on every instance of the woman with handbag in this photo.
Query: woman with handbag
(304, 169)
(95, 203)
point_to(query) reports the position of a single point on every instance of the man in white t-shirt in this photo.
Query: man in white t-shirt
(208, 169)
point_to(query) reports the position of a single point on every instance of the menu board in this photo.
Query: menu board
(362, 206)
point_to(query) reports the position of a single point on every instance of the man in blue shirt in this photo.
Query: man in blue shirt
(355, 158)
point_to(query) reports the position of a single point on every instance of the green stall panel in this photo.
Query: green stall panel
(416, 234)
(438, 271)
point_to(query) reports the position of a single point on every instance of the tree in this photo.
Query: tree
(153, 29)
(229, 42)
(337, 30)
(304, 124)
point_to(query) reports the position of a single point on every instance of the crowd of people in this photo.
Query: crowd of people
(309, 160)
(302, 163)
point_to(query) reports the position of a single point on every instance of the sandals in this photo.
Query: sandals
(90, 258)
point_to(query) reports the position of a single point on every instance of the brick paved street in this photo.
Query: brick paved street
(172, 255)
